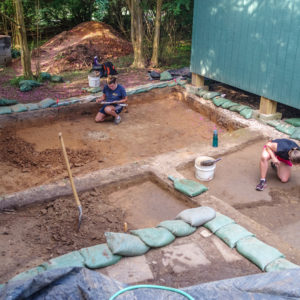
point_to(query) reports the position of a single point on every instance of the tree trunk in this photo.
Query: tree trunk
(154, 59)
(25, 54)
(137, 33)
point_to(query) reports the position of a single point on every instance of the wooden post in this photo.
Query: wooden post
(267, 106)
(197, 80)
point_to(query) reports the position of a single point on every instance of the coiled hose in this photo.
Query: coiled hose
(160, 287)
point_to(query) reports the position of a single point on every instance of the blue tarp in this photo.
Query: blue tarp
(80, 283)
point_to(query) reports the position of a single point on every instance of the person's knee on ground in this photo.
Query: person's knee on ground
(99, 117)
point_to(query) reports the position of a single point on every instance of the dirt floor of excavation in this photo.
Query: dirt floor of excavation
(32, 156)
(34, 234)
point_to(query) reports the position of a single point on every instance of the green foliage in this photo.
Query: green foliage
(16, 80)
(100, 9)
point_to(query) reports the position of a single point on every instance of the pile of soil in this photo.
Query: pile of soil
(74, 49)
(23, 155)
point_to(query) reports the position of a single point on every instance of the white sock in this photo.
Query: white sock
(263, 179)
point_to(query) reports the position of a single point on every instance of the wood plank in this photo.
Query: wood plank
(197, 79)
(267, 106)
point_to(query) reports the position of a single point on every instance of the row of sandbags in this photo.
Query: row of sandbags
(290, 126)
(139, 241)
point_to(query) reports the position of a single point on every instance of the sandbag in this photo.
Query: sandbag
(45, 103)
(98, 256)
(32, 106)
(228, 104)
(293, 121)
(197, 216)
(258, 252)
(218, 101)
(92, 89)
(25, 87)
(125, 244)
(45, 76)
(202, 92)
(18, 108)
(7, 102)
(72, 259)
(154, 237)
(211, 95)
(238, 108)
(273, 123)
(287, 129)
(178, 227)
(218, 222)
(32, 83)
(232, 233)
(56, 78)
(296, 134)
(247, 113)
(29, 273)
(280, 264)
(171, 83)
(165, 76)
(5, 110)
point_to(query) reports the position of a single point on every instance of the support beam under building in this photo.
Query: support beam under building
(197, 80)
(267, 106)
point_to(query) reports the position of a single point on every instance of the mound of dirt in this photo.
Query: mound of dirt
(74, 49)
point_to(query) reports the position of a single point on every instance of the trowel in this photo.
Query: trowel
(188, 187)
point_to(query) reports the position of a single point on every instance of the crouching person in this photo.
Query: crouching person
(283, 153)
(114, 95)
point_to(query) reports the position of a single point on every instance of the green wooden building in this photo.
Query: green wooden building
(253, 45)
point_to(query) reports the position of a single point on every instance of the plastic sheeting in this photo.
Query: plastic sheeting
(80, 283)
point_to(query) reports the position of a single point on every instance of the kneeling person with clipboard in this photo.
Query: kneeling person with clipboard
(113, 100)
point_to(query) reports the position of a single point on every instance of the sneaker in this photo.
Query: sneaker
(262, 185)
(273, 166)
(117, 120)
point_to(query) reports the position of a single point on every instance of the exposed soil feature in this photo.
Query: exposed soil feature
(37, 233)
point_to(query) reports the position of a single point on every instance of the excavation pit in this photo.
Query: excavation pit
(156, 122)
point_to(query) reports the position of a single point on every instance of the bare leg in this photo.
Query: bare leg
(100, 117)
(264, 163)
(110, 110)
(284, 172)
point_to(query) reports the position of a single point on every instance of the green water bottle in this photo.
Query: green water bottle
(215, 138)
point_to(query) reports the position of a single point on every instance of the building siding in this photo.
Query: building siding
(251, 45)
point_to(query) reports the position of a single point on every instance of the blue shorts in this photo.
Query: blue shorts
(118, 108)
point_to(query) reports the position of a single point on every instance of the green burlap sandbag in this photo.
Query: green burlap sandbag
(258, 252)
(211, 95)
(45, 76)
(228, 104)
(56, 78)
(273, 123)
(18, 108)
(218, 101)
(165, 76)
(29, 273)
(25, 87)
(232, 233)
(98, 256)
(48, 102)
(32, 106)
(287, 129)
(154, 237)
(202, 92)
(238, 108)
(280, 264)
(197, 216)
(296, 134)
(7, 102)
(5, 110)
(247, 113)
(125, 244)
(293, 121)
(72, 259)
(178, 227)
(33, 83)
(218, 222)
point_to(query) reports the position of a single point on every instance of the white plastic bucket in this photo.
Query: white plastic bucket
(204, 173)
(94, 81)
